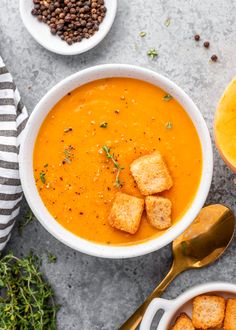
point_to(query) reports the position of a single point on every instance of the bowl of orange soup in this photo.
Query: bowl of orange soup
(116, 161)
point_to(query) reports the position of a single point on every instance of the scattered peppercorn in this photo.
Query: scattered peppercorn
(197, 37)
(206, 44)
(214, 58)
(71, 20)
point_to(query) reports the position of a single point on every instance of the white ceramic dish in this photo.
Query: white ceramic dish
(31, 132)
(172, 308)
(41, 32)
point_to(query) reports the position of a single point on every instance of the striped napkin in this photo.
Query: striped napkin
(13, 118)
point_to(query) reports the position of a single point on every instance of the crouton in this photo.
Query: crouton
(183, 322)
(158, 211)
(230, 315)
(151, 174)
(208, 312)
(126, 213)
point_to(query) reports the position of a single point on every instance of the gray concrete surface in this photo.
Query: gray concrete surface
(98, 294)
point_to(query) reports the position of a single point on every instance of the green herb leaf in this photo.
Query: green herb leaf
(167, 97)
(68, 152)
(169, 125)
(42, 177)
(27, 302)
(45, 165)
(142, 34)
(104, 125)
(51, 258)
(152, 52)
(167, 22)
(28, 218)
(119, 168)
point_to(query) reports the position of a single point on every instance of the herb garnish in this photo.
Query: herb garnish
(119, 168)
(142, 34)
(42, 177)
(68, 154)
(26, 300)
(103, 124)
(45, 165)
(167, 97)
(152, 52)
(28, 217)
(51, 258)
(167, 22)
(169, 125)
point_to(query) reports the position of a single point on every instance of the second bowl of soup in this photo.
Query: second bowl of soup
(116, 161)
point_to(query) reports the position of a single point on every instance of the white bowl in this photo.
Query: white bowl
(183, 304)
(31, 132)
(41, 32)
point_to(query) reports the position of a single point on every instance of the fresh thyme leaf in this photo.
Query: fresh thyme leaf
(119, 168)
(167, 97)
(152, 52)
(68, 154)
(169, 125)
(26, 300)
(51, 258)
(42, 177)
(142, 34)
(104, 125)
(167, 22)
(45, 165)
(28, 218)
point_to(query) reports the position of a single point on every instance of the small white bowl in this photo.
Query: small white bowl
(41, 32)
(27, 147)
(183, 304)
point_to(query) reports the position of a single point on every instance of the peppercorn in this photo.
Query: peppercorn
(71, 20)
(197, 37)
(214, 58)
(206, 44)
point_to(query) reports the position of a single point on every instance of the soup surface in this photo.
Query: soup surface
(76, 180)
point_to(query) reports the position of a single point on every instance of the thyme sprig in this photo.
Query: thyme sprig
(118, 167)
(51, 258)
(28, 218)
(26, 300)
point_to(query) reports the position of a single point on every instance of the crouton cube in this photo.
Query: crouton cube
(151, 174)
(183, 322)
(208, 312)
(158, 211)
(230, 315)
(126, 213)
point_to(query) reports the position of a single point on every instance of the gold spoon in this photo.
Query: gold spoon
(201, 244)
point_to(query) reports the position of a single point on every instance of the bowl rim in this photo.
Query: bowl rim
(63, 48)
(173, 306)
(28, 182)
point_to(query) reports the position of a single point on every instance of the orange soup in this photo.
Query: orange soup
(76, 180)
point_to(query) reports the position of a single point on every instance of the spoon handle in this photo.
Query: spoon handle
(135, 319)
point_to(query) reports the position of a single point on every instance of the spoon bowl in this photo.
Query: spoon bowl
(206, 239)
(200, 245)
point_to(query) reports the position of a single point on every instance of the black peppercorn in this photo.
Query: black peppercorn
(71, 20)
(197, 37)
(214, 58)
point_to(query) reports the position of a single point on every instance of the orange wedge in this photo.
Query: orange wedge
(225, 125)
